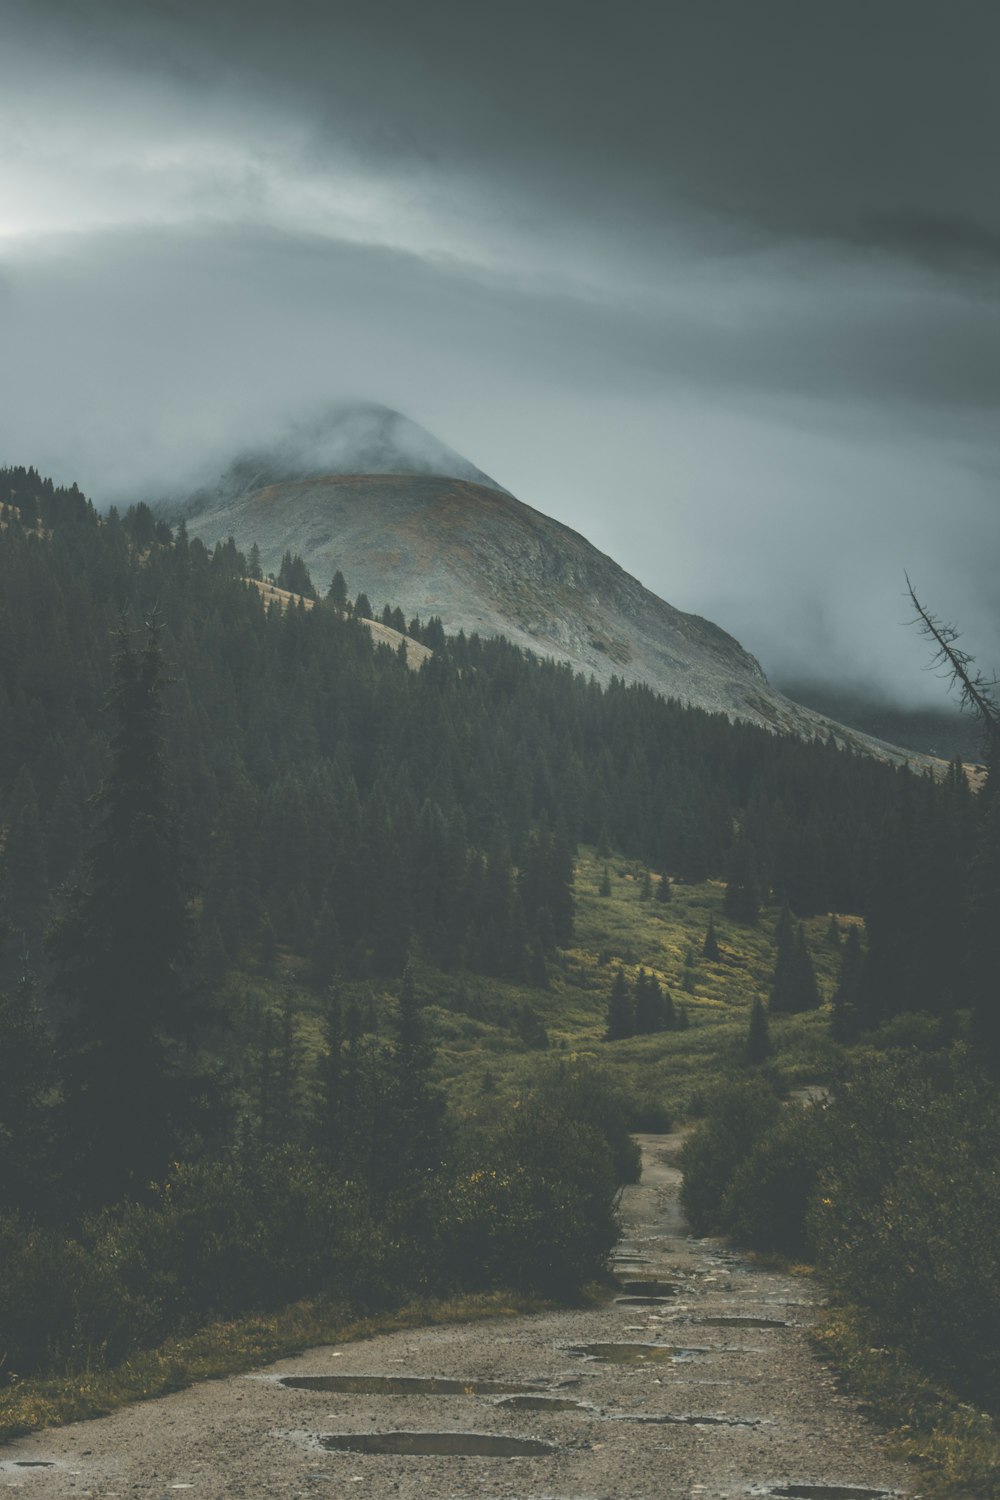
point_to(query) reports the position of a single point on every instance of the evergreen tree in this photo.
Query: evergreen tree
(646, 891)
(742, 897)
(664, 890)
(710, 947)
(649, 1013)
(362, 607)
(845, 1023)
(419, 1107)
(254, 570)
(293, 575)
(793, 988)
(337, 592)
(604, 888)
(26, 1077)
(620, 1021)
(123, 958)
(759, 1047)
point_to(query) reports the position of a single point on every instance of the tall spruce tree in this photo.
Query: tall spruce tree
(122, 956)
(620, 1021)
(759, 1046)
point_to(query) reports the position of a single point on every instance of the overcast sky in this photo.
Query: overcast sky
(713, 281)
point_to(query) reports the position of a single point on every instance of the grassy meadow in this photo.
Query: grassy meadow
(492, 1038)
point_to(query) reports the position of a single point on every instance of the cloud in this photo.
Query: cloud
(714, 284)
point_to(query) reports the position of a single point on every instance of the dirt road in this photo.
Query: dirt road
(700, 1386)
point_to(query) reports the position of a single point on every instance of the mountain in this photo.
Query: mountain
(410, 522)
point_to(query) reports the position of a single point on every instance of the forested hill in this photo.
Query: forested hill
(333, 801)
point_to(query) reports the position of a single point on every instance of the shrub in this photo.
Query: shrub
(767, 1201)
(539, 1211)
(908, 1217)
(738, 1115)
(583, 1092)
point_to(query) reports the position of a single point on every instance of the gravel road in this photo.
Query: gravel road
(716, 1393)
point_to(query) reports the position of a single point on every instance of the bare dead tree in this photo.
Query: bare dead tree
(977, 692)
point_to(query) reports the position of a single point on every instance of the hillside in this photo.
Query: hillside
(461, 548)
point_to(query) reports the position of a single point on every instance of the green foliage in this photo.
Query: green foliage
(738, 1118)
(542, 1213)
(766, 1202)
(759, 1045)
(909, 1215)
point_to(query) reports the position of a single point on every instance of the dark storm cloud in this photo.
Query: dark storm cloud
(714, 282)
(801, 119)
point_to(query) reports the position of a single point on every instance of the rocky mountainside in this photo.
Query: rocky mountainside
(356, 493)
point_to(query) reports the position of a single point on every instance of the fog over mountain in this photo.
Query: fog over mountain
(715, 285)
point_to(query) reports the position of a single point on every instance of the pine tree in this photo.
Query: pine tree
(649, 1015)
(759, 1047)
(123, 955)
(419, 1106)
(845, 1023)
(26, 1077)
(793, 988)
(742, 898)
(337, 592)
(710, 947)
(646, 891)
(665, 890)
(254, 569)
(604, 888)
(620, 1022)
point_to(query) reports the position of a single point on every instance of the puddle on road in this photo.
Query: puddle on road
(543, 1403)
(633, 1354)
(650, 1288)
(734, 1322)
(641, 1301)
(30, 1463)
(693, 1420)
(829, 1492)
(437, 1444)
(405, 1385)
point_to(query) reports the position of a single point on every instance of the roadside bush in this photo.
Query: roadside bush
(738, 1116)
(908, 1216)
(228, 1236)
(583, 1092)
(767, 1201)
(539, 1212)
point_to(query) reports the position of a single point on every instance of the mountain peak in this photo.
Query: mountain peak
(359, 437)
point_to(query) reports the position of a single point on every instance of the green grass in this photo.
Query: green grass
(674, 1070)
(479, 1041)
(228, 1348)
(956, 1445)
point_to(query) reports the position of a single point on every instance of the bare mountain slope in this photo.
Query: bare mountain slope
(458, 546)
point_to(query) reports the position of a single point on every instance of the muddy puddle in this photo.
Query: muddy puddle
(727, 1322)
(543, 1403)
(829, 1492)
(693, 1419)
(641, 1301)
(649, 1288)
(633, 1354)
(437, 1444)
(406, 1385)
